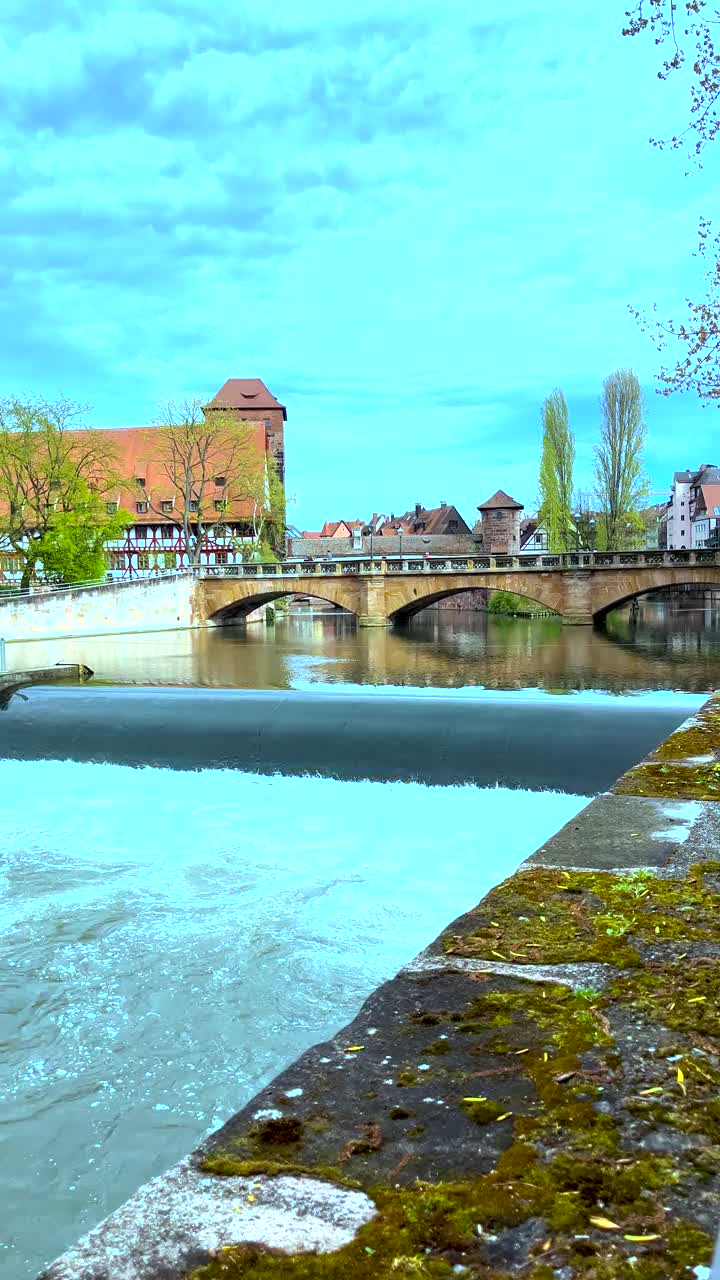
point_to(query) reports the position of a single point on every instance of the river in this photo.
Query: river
(173, 934)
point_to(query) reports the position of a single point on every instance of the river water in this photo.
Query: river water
(173, 934)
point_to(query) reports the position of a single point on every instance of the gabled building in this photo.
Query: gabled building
(155, 543)
(690, 517)
(444, 519)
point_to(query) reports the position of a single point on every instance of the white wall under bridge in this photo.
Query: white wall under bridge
(579, 587)
(145, 604)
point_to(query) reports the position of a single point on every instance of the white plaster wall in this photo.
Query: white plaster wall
(145, 604)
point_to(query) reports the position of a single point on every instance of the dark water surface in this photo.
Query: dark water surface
(172, 935)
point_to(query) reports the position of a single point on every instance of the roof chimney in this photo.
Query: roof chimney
(418, 508)
(443, 506)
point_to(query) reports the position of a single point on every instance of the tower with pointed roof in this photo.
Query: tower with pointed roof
(498, 531)
(251, 400)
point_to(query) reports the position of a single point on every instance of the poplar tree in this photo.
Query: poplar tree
(620, 483)
(556, 474)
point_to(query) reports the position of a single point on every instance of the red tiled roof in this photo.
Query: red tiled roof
(711, 497)
(245, 393)
(499, 501)
(137, 457)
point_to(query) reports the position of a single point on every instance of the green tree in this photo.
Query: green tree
(49, 460)
(556, 474)
(621, 486)
(73, 547)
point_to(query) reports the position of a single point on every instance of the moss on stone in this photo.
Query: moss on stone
(552, 917)
(676, 780)
(438, 1047)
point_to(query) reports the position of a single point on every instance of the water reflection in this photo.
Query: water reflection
(670, 645)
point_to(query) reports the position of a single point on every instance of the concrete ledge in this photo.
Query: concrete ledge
(536, 1095)
(63, 672)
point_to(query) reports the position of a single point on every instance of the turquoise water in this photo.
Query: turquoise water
(170, 940)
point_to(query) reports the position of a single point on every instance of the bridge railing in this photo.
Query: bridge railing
(539, 562)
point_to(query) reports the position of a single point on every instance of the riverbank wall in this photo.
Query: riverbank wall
(63, 673)
(535, 1095)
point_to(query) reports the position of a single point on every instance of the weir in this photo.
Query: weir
(535, 1092)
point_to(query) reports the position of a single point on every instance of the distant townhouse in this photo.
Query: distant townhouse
(691, 516)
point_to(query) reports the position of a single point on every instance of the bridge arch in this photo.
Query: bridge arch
(414, 595)
(612, 590)
(223, 601)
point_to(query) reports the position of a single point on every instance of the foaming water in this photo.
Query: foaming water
(170, 940)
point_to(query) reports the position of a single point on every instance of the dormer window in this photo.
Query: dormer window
(167, 507)
(192, 505)
(221, 481)
(111, 508)
(141, 508)
(220, 504)
(140, 481)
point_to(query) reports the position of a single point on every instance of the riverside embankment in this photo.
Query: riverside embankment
(535, 1095)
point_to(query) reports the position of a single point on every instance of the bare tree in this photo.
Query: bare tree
(621, 486)
(684, 29)
(50, 461)
(195, 452)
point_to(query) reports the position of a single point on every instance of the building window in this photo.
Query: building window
(167, 507)
(221, 557)
(220, 504)
(192, 505)
(111, 508)
(141, 508)
(143, 560)
(170, 558)
(140, 480)
(141, 533)
(452, 524)
(221, 481)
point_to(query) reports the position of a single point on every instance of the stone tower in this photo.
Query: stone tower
(499, 529)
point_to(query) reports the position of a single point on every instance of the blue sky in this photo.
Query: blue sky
(410, 221)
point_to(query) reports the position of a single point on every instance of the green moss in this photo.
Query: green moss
(432, 1225)
(400, 1113)
(483, 1112)
(224, 1164)
(551, 917)
(406, 1079)
(439, 1047)
(679, 780)
(700, 738)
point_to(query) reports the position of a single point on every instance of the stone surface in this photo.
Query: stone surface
(184, 1217)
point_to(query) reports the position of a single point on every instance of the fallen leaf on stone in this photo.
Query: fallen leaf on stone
(641, 1239)
(520, 954)
(545, 1057)
(697, 999)
(605, 1223)
(546, 1245)
(497, 953)
(566, 1075)
(681, 1079)
(354, 1048)
(519, 1051)
(474, 1099)
(645, 1092)
(495, 923)
(504, 1116)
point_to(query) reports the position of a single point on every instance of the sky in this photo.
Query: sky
(410, 221)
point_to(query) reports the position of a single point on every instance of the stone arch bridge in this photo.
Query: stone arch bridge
(581, 586)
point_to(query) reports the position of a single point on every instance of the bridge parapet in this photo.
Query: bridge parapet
(361, 566)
